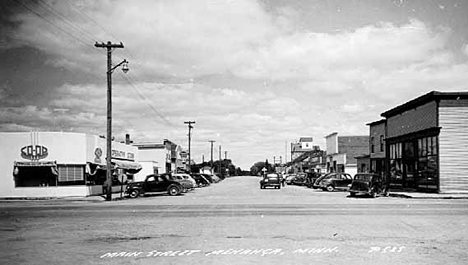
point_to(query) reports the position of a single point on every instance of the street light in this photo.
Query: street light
(109, 46)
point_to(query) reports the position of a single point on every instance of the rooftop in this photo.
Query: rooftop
(431, 96)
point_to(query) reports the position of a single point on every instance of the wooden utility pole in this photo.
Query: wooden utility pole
(109, 46)
(211, 141)
(190, 127)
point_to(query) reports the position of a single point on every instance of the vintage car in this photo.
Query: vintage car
(289, 178)
(271, 180)
(368, 184)
(300, 179)
(336, 181)
(153, 183)
(201, 180)
(317, 181)
(312, 177)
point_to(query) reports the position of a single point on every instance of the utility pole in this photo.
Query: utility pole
(211, 141)
(190, 127)
(220, 163)
(109, 46)
(225, 155)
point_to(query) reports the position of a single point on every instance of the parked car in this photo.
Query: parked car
(289, 179)
(336, 181)
(300, 179)
(316, 183)
(187, 184)
(153, 183)
(187, 177)
(312, 177)
(201, 180)
(368, 184)
(271, 180)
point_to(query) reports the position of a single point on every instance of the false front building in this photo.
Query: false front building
(427, 143)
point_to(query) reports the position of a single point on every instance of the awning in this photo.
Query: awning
(131, 167)
(20, 164)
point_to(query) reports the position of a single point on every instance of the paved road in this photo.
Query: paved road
(235, 222)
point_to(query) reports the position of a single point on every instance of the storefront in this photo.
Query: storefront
(59, 164)
(427, 143)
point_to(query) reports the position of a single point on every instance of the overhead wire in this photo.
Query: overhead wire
(25, 6)
(92, 38)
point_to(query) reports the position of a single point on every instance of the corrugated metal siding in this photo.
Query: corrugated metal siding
(453, 149)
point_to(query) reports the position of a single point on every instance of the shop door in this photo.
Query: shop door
(409, 165)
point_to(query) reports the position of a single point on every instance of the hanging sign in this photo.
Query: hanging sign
(34, 152)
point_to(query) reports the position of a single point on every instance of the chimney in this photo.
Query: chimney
(127, 139)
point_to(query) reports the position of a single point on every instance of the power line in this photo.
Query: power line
(129, 81)
(55, 25)
(53, 11)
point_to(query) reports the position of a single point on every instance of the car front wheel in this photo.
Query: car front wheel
(134, 193)
(173, 190)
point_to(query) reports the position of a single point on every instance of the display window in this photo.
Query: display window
(35, 174)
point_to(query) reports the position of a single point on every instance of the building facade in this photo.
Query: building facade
(427, 143)
(343, 150)
(156, 158)
(57, 164)
(377, 136)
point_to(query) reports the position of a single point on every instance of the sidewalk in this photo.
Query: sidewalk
(93, 198)
(423, 195)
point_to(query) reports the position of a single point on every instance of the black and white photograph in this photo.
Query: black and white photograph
(234, 132)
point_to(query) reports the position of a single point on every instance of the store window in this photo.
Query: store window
(35, 174)
(396, 169)
(381, 143)
(372, 145)
(427, 163)
(71, 175)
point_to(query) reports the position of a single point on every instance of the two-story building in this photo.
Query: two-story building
(156, 158)
(427, 142)
(377, 135)
(343, 150)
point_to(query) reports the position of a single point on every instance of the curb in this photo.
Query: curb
(441, 197)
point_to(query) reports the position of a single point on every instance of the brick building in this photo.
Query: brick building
(427, 143)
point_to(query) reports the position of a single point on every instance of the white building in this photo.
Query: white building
(156, 158)
(59, 164)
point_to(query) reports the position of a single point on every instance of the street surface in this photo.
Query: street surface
(235, 222)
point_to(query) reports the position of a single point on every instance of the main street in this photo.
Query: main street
(236, 222)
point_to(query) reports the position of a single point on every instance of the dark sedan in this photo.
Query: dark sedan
(336, 181)
(367, 184)
(271, 180)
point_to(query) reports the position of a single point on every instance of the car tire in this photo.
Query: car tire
(374, 192)
(173, 190)
(352, 194)
(330, 188)
(134, 194)
(279, 187)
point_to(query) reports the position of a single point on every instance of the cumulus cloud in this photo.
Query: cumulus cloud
(313, 81)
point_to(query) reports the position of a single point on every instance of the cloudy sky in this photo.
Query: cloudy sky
(255, 75)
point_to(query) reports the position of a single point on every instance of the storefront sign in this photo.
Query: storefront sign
(123, 155)
(34, 152)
